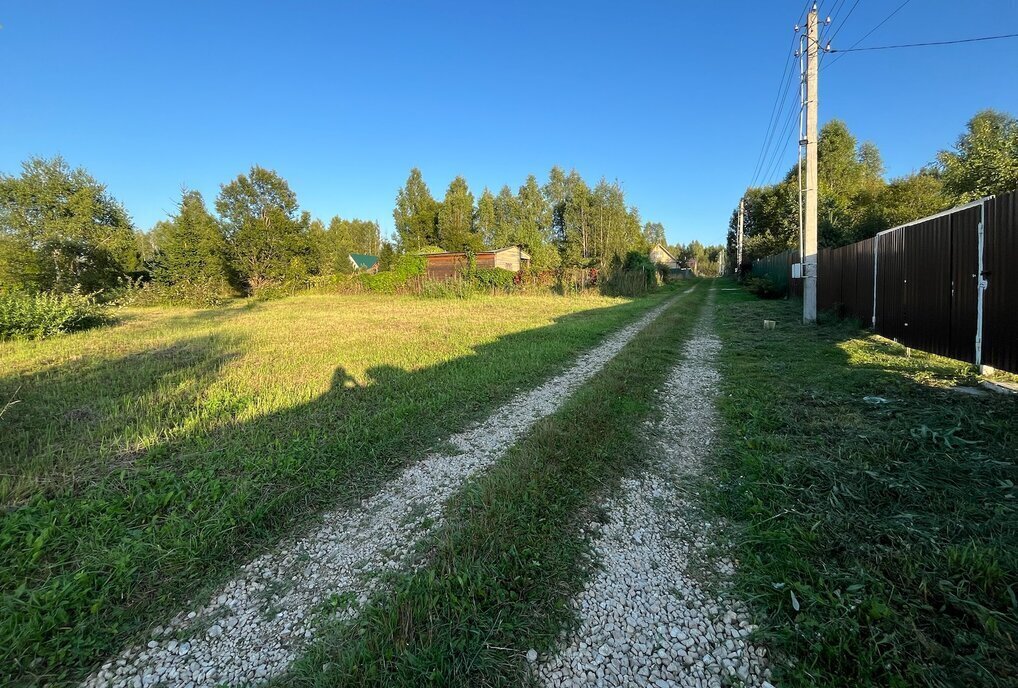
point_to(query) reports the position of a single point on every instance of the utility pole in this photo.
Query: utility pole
(738, 253)
(809, 244)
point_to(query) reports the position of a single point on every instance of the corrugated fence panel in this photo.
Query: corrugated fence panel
(891, 285)
(926, 287)
(1000, 265)
(964, 283)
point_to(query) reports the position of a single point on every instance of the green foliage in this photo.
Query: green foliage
(416, 214)
(191, 248)
(456, 231)
(892, 523)
(490, 279)
(60, 230)
(26, 315)
(404, 268)
(985, 158)
(764, 287)
(198, 292)
(344, 237)
(855, 202)
(270, 243)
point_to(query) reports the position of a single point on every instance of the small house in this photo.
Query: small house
(446, 265)
(659, 255)
(364, 263)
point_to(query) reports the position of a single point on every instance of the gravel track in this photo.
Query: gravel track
(257, 624)
(647, 616)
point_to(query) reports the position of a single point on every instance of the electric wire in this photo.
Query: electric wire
(923, 45)
(868, 33)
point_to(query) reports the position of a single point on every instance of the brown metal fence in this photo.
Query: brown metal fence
(946, 284)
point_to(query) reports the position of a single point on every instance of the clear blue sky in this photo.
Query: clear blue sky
(670, 98)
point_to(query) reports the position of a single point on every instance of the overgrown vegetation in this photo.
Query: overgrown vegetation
(37, 316)
(878, 509)
(142, 462)
(500, 574)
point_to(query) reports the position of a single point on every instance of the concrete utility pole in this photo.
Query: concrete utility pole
(809, 243)
(738, 253)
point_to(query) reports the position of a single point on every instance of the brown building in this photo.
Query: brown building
(443, 266)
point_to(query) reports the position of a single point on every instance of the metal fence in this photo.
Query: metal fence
(947, 284)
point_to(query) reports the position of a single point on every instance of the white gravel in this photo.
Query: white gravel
(655, 613)
(255, 626)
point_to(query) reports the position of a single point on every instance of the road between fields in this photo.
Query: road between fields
(655, 612)
(256, 625)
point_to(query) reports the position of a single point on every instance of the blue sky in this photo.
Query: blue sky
(670, 98)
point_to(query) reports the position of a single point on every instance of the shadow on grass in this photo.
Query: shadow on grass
(83, 571)
(886, 505)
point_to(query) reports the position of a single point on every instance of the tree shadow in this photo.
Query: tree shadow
(87, 567)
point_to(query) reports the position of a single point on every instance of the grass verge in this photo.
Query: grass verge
(144, 461)
(877, 509)
(498, 578)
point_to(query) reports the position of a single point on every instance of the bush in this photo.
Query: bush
(404, 268)
(764, 287)
(36, 316)
(491, 279)
(192, 293)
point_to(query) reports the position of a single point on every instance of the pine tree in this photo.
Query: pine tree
(191, 246)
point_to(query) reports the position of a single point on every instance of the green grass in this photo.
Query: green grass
(141, 463)
(498, 577)
(892, 525)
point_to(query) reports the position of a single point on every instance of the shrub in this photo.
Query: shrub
(36, 316)
(192, 293)
(495, 279)
(764, 287)
(404, 268)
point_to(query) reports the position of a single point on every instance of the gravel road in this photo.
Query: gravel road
(255, 626)
(655, 613)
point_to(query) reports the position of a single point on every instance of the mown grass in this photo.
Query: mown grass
(497, 579)
(143, 461)
(878, 537)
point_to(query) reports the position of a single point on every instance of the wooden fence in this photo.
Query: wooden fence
(947, 284)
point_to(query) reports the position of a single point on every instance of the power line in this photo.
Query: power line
(842, 25)
(870, 32)
(783, 84)
(923, 45)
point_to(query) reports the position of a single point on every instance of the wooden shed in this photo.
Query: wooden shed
(446, 265)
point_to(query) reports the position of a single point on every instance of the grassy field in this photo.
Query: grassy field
(877, 509)
(140, 462)
(499, 576)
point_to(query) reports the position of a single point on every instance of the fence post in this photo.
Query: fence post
(876, 249)
(981, 285)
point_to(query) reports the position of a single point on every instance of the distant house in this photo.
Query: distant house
(659, 255)
(364, 263)
(451, 263)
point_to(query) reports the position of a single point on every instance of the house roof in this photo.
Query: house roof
(665, 249)
(363, 261)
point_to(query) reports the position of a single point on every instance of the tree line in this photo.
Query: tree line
(855, 201)
(563, 222)
(61, 230)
